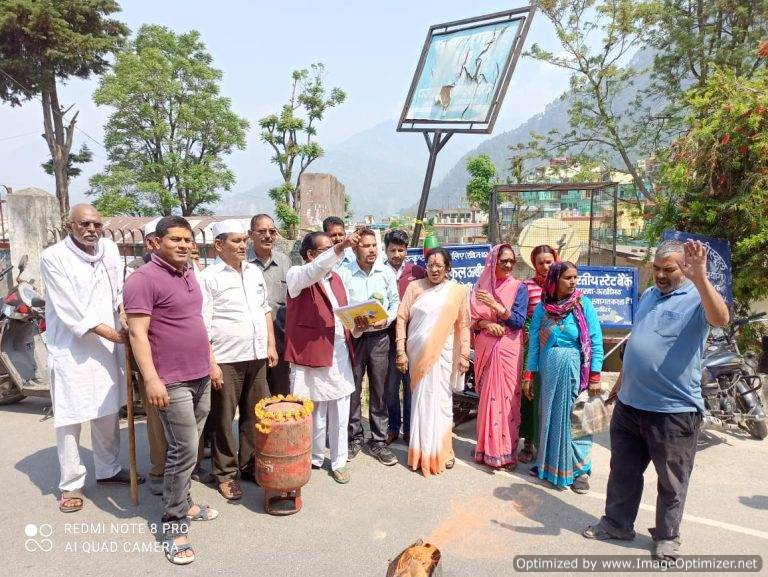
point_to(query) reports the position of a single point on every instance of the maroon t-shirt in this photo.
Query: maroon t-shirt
(177, 334)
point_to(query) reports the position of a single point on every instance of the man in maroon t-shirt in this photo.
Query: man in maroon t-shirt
(163, 302)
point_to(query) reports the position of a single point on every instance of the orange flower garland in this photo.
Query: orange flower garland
(267, 417)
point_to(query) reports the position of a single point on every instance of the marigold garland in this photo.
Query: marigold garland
(267, 417)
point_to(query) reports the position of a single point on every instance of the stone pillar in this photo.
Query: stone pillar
(322, 195)
(34, 223)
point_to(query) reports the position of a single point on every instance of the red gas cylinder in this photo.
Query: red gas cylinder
(283, 446)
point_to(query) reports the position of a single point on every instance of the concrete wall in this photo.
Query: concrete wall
(322, 195)
(33, 216)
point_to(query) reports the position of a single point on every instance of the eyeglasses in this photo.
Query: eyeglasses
(507, 261)
(88, 223)
(266, 231)
(437, 267)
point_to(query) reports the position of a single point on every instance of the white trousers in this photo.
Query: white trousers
(105, 439)
(334, 415)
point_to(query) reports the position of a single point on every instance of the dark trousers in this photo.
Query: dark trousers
(279, 378)
(394, 379)
(371, 356)
(245, 384)
(638, 438)
(183, 420)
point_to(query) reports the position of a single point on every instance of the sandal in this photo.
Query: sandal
(597, 533)
(341, 476)
(449, 464)
(205, 513)
(230, 490)
(69, 497)
(534, 471)
(172, 550)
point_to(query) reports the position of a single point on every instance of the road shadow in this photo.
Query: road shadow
(553, 515)
(30, 406)
(42, 470)
(755, 501)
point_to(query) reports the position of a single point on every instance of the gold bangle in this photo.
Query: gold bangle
(401, 353)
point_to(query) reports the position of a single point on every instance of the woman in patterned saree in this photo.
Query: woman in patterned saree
(499, 305)
(566, 346)
(433, 341)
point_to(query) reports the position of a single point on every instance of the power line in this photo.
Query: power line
(34, 95)
(19, 135)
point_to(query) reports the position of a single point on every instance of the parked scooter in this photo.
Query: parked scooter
(23, 355)
(731, 384)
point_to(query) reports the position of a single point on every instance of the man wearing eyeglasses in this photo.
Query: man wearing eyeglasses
(274, 266)
(83, 276)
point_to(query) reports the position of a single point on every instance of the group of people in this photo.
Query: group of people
(209, 343)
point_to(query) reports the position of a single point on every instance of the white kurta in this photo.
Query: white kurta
(85, 370)
(321, 383)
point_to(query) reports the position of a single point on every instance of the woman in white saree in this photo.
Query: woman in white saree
(433, 341)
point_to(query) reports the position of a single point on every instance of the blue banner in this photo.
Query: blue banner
(718, 260)
(468, 261)
(613, 292)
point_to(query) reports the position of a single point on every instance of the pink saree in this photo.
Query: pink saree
(498, 365)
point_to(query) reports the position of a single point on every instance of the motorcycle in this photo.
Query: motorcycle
(465, 402)
(731, 383)
(23, 354)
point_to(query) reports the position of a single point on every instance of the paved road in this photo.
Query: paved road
(480, 520)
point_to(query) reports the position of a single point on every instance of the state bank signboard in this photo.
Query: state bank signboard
(613, 292)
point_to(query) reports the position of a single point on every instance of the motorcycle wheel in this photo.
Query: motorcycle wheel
(758, 429)
(9, 392)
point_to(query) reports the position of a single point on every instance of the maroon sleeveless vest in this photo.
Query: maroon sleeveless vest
(310, 325)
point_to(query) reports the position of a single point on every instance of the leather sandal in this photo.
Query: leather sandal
(70, 497)
(230, 490)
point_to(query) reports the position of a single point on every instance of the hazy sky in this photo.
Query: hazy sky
(370, 49)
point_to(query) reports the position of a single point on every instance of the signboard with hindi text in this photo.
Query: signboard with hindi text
(468, 261)
(613, 292)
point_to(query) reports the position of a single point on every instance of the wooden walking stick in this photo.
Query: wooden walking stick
(131, 428)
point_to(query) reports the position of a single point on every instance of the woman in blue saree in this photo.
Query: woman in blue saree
(566, 348)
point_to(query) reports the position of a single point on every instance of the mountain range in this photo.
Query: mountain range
(383, 170)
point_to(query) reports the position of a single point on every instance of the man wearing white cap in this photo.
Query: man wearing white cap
(150, 232)
(239, 322)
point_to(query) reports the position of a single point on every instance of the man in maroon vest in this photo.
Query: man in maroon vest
(318, 347)
(396, 247)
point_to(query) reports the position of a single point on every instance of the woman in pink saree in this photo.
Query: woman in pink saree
(499, 306)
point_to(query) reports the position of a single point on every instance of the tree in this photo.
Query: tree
(170, 129)
(291, 135)
(600, 78)
(84, 156)
(693, 39)
(718, 174)
(45, 41)
(483, 179)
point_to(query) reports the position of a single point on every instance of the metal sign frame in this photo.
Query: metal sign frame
(437, 133)
(524, 16)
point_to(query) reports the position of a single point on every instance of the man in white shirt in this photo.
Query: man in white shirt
(83, 277)
(238, 318)
(318, 346)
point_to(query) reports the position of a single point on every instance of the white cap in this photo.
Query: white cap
(227, 226)
(151, 227)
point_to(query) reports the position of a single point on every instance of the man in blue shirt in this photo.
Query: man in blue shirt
(659, 408)
(368, 278)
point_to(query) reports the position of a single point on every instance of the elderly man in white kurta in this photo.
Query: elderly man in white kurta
(83, 276)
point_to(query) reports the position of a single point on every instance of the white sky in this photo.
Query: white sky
(369, 49)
